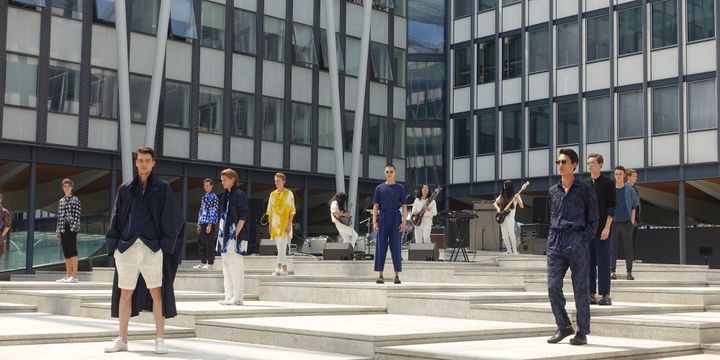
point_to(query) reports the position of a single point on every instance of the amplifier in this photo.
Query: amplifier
(423, 252)
(338, 251)
(267, 247)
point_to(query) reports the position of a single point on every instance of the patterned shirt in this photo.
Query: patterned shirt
(208, 209)
(280, 206)
(574, 213)
(5, 219)
(68, 213)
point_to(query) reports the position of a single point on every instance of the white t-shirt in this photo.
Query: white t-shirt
(418, 205)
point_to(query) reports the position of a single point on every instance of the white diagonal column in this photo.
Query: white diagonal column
(157, 74)
(123, 90)
(335, 97)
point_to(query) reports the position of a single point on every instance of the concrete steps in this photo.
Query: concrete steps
(361, 334)
(540, 284)
(14, 308)
(693, 327)
(668, 295)
(454, 304)
(46, 275)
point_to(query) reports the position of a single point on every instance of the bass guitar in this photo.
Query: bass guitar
(417, 218)
(500, 217)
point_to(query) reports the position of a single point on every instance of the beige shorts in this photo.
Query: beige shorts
(137, 260)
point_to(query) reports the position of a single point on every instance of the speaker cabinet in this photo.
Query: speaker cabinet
(338, 251)
(423, 252)
(267, 247)
(540, 210)
(533, 239)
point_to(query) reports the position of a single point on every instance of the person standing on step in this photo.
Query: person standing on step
(341, 218)
(623, 222)
(280, 212)
(144, 237)
(232, 232)
(207, 218)
(388, 199)
(5, 225)
(632, 177)
(422, 231)
(507, 227)
(600, 244)
(68, 225)
(573, 223)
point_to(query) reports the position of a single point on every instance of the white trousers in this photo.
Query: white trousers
(347, 233)
(507, 228)
(234, 275)
(281, 243)
(422, 232)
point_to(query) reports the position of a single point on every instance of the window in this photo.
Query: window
(352, 49)
(301, 122)
(211, 110)
(426, 27)
(665, 110)
(21, 80)
(538, 51)
(274, 39)
(486, 62)
(512, 130)
(461, 8)
(177, 104)
(568, 123)
(630, 114)
(425, 86)
(304, 45)
(377, 135)
(701, 105)
(105, 11)
(325, 127)
(139, 98)
(512, 57)
(598, 38)
(103, 93)
(384, 5)
(401, 7)
(463, 63)
(272, 119)
(324, 50)
(664, 24)
(630, 37)
(348, 129)
(245, 38)
(398, 138)
(597, 112)
(568, 50)
(182, 19)
(700, 21)
(424, 158)
(382, 68)
(145, 16)
(399, 67)
(510, 2)
(539, 126)
(30, 2)
(461, 137)
(243, 114)
(484, 5)
(486, 127)
(63, 87)
(212, 30)
(72, 9)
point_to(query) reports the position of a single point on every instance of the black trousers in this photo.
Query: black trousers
(68, 240)
(206, 244)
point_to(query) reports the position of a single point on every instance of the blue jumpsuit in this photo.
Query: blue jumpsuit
(389, 199)
(573, 222)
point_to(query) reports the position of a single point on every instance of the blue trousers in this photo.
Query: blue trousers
(568, 251)
(388, 236)
(599, 272)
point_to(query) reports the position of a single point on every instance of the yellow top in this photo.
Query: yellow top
(280, 206)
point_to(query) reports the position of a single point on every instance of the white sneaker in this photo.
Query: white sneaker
(64, 279)
(226, 302)
(283, 273)
(277, 272)
(160, 347)
(198, 266)
(72, 280)
(116, 345)
(207, 267)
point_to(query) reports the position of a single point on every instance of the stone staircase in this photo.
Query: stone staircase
(493, 308)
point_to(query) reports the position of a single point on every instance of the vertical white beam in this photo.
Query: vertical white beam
(157, 75)
(357, 130)
(123, 90)
(335, 96)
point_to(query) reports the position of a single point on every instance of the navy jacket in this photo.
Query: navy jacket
(236, 203)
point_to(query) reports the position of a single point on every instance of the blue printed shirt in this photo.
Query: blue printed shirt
(573, 214)
(208, 213)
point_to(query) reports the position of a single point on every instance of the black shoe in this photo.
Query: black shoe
(396, 280)
(605, 300)
(613, 276)
(560, 334)
(578, 340)
(593, 300)
(380, 280)
(629, 277)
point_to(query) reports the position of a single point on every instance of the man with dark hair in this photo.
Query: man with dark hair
(207, 218)
(600, 244)
(389, 197)
(573, 224)
(632, 177)
(623, 222)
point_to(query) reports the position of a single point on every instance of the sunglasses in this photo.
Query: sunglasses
(563, 161)
(389, 172)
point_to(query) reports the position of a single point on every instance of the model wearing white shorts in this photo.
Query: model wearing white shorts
(136, 260)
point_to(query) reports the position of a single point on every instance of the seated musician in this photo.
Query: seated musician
(342, 218)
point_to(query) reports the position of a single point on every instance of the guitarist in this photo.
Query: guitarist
(428, 210)
(341, 218)
(507, 227)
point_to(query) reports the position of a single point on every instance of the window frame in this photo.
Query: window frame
(567, 129)
(252, 38)
(483, 68)
(588, 41)
(309, 124)
(187, 110)
(218, 119)
(251, 117)
(77, 87)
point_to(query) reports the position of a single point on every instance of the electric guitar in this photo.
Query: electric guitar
(417, 218)
(500, 217)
